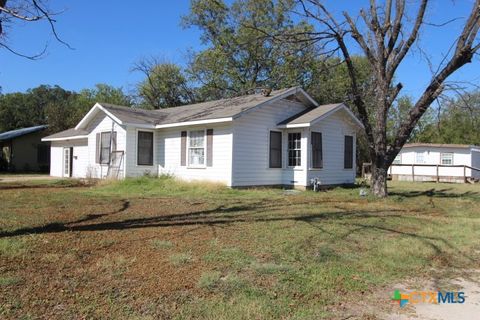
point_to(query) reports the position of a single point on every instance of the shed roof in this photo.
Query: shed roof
(69, 133)
(439, 145)
(20, 132)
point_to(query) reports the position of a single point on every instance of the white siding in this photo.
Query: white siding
(102, 123)
(251, 147)
(80, 157)
(168, 146)
(334, 129)
(132, 169)
(431, 156)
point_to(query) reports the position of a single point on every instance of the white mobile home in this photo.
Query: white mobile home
(437, 162)
(271, 138)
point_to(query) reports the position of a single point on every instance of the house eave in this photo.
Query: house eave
(297, 125)
(65, 138)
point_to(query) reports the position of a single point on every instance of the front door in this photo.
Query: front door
(67, 162)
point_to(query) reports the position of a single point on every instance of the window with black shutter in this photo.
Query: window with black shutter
(275, 149)
(317, 155)
(348, 155)
(145, 148)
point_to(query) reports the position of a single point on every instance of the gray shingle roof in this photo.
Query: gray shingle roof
(20, 132)
(310, 115)
(224, 108)
(67, 133)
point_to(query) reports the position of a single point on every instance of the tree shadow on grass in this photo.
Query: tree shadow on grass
(434, 193)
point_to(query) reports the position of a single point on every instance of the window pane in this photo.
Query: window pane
(197, 139)
(145, 148)
(275, 149)
(317, 156)
(419, 158)
(348, 154)
(294, 149)
(105, 147)
(446, 158)
(196, 156)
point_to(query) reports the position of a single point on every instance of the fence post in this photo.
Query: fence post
(464, 174)
(413, 173)
(438, 176)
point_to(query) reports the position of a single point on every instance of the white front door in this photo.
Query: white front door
(67, 162)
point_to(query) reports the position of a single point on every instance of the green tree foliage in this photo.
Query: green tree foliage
(58, 108)
(165, 85)
(239, 56)
(458, 122)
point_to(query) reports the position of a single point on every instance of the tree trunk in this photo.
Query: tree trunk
(378, 185)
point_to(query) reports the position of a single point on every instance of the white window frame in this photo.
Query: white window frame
(442, 154)
(204, 165)
(423, 157)
(299, 149)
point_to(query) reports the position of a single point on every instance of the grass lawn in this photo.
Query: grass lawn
(161, 249)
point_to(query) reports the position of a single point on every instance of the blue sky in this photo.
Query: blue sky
(109, 36)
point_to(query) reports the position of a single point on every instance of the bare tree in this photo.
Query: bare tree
(28, 11)
(385, 35)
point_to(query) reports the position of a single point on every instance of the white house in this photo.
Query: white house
(271, 138)
(437, 162)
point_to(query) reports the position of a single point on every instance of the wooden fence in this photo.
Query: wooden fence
(366, 170)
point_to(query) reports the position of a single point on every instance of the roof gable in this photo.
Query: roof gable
(314, 115)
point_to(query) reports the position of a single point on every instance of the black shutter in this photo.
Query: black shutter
(348, 155)
(275, 149)
(317, 153)
(209, 147)
(183, 149)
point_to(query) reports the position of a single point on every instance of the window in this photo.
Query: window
(446, 158)
(294, 149)
(419, 157)
(348, 153)
(145, 148)
(105, 147)
(275, 149)
(398, 159)
(196, 148)
(317, 155)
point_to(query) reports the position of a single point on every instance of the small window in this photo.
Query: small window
(145, 148)
(196, 148)
(348, 153)
(446, 158)
(419, 157)
(105, 148)
(275, 149)
(398, 159)
(317, 154)
(294, 149)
